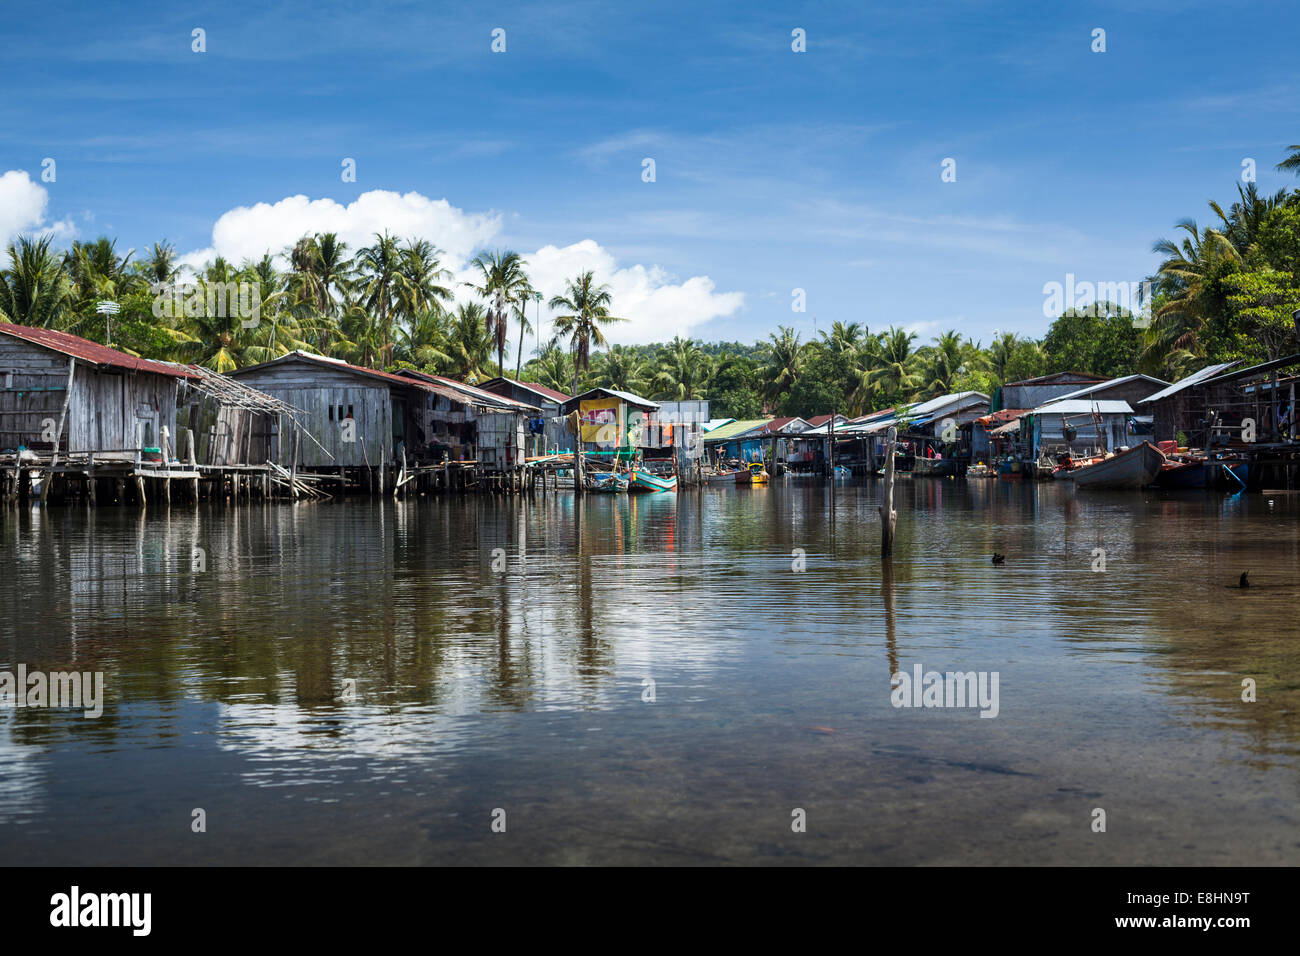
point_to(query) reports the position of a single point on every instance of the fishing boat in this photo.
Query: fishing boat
(1011, 470)
(980, 470)
(757, 473)
(934, 467)
(647, 481)
(727, 478)
(1196, 472)
(1134, 467)
(1068, 464)
(608, 483)
(842, 472)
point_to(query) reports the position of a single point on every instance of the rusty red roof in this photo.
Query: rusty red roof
(818, 420)
(548, 392)
(88, 351)
(1002, 416)
(326, 362)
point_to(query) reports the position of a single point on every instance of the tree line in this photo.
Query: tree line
(1222, 291)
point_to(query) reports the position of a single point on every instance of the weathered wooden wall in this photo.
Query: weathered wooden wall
(318, 392)
(224, 434)
(104, 409)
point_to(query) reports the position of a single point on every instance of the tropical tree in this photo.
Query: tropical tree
(1292, 162)
(684, 371)
(585, 307)
(503, 284)
(944, 363)
(785, 357)
(35, 290)
(554, 368)
(470, 345)
(1189, 294)
(380, 289)
(428, 341)
(895, 374)
(621, 368)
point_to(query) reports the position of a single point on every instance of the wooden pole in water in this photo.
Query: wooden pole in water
(888, 516)
(63, 417)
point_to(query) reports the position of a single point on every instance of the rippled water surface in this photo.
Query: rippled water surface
(525, 688)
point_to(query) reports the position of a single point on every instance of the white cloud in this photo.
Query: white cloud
(250, 232)
(657, 305)
(22, 209)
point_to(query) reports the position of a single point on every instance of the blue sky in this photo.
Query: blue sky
(775, 170)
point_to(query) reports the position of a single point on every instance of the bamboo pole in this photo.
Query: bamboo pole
(63, 417)
(888, 516)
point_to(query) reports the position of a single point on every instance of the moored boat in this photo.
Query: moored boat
(934, 467)
(1134, 467)
(726, 478)
(647, 481)
(757, 473)
(608, 483)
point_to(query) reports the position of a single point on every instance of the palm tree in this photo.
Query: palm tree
(844, 339)
(503, 282)
(586, 307)
(554, 369)
(1292, 162)
(422, 273)
(471, 344)
(784, 363)
(428, 342)
(1001, 353)
(1182, 280)
(36, 290)
(865, 361)
(1242, 221)
(381, 268)
(944, 362)
(895, 375)
(159, 266)
(684, 371)
(521, 313)
(618, 367)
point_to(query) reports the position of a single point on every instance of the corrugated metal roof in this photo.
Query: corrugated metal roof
(622, 396)
(77, 347)
(1082, 406)
(547, 392)
(1109, 383)
(467, 394)
(734, 429)
(944, 401)
(326, 362)
(1206, 373)
(713, 423)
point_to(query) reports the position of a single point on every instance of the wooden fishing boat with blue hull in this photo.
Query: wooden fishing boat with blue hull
(1135, 467)
(608, 484)
(645, 481)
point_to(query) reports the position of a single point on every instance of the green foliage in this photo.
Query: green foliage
(1098, 340)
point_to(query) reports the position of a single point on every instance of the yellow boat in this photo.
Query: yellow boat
(757, 473)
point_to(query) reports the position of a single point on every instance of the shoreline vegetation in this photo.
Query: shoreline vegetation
(1223, 291)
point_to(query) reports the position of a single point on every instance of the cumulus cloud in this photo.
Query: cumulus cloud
(23, 205)
(250, 232)
(657, 304)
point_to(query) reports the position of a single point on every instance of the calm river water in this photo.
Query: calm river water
(515, 679)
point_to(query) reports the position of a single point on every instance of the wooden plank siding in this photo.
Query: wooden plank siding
(318, 392)
(104, 407)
